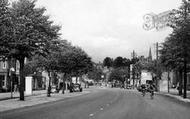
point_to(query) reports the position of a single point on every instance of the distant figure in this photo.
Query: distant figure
(15, 83)
(15, 88)
(143, 87)
(151, 89)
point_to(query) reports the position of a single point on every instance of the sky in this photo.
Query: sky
(108, 28)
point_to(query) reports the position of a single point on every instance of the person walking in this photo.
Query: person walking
(151, 90)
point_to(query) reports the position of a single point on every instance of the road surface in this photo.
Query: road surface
(105, 104)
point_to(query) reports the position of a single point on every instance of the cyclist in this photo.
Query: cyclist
(151, 89)
(143, 87)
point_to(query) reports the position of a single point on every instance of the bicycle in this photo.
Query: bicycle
(151, 94)
(143, 92)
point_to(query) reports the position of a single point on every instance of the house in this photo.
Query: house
(9, 74)
(9, 71)
(3, 75)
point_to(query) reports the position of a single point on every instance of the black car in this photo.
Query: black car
(75, 88)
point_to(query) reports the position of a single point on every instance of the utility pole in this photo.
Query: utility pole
(157, 78)
(168, 81)
(185, 53)
(133, 71)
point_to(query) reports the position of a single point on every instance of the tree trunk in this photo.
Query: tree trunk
(168, 82)
(22, 79)
(49, 85)
(8, 76)
(64, 84)
(180, 82)
(185, 78)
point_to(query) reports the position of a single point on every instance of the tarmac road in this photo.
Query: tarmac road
(105, 104)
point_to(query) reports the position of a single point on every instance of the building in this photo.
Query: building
(9, 69)
(3, 75)
(9, 74)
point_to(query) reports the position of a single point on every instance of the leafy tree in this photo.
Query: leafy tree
(50, 62)
(31, 33)
(137, 69)
(5, 31)
(75, 62)
(134, 60)
(175, 53)
(126, 62)
(5, 28)
(118, 74)
(30, 68)
(108, 62)
(118, 62)
(95, 74)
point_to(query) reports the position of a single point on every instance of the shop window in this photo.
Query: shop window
(2, 80)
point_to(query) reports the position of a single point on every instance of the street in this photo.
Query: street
(105, 104)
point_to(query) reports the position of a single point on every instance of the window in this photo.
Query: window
(2, 80)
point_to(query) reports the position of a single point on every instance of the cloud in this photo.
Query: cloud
(108, 27)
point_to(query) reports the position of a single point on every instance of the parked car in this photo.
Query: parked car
(75, 88)
(53, 89)
(129, 87)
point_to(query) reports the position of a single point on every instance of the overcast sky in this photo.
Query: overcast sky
(108, 27)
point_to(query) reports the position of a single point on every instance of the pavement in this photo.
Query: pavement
(174, 94)
(38, 97)
(7, 95)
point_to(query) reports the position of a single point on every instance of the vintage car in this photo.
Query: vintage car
(75, 88)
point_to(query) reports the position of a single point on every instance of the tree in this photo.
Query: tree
(50, 62)
(95, 74)
(108, 62)
(178, 42)
(75, 62)
(127, 63)
(118, 74)
(30, 68)
(118, 62)
(137, 69)
(31, 33)
(5, 29)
